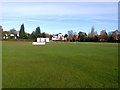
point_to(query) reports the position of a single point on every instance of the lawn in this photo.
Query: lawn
(60, 65)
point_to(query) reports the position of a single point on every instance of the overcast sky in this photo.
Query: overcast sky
(60, 17)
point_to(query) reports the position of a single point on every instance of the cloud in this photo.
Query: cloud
(58, 9)
(59, 1)
(55, 17)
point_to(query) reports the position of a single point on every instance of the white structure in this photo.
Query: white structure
(15, 37)
(38, 43)
(47, 40)
(41, 41)
(58, 37)
(38, 40)
(17, 33)
(5, 36)
(12, 35)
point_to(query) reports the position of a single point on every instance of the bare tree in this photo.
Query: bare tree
(70, 35)
(92, 34)
(103, 35)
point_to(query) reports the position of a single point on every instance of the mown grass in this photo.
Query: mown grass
(60, 65)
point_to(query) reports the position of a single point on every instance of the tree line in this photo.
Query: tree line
(35, 34)
(93, 36)
(71, 35)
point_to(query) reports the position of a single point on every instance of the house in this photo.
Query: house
(14, 34)
(5, 34)
(116, 34)
(58, 37)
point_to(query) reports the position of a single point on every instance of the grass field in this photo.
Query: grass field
(60, 65)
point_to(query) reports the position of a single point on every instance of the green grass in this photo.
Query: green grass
(60, 65)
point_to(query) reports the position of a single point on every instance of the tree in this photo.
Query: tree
(22, 32)
(43, 35)
(96, 39)
(61, 38)
(37, 32)
(92, 36)
(33, 35)
(65, 36)
(70, 35)
(51, 37)
(76, 38)
(110, 37)
(115, 35)
(47, 36)
(28, 36)
(103, 35)
(82, 36)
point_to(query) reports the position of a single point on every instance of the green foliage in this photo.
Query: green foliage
(51, 37)
(33, 35)
(22, 33)
(28, 36)
(65, 35)
(81, 36)
(37, 32)
(43, 35)
(111, 39)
